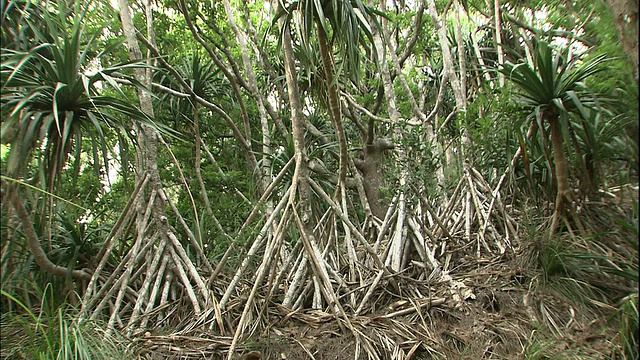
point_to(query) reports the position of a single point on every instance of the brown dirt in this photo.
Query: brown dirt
(505, 316)
(500, 308)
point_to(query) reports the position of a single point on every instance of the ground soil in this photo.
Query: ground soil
(502, 318)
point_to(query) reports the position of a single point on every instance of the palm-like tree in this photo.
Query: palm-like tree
(553, 88)
(50, 93)
(339, 23)
(51, 100)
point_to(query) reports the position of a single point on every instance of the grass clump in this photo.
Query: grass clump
(54, 332)
(587, 292)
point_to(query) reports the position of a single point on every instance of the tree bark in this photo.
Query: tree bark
(265, 177)
(148, 148)
(625, 16)
(370, 165)
(458, 84)
(498, 37)
(297, 126)
(334, 103)
(561, 169)
(447, 57)
(198, 160)
(33, 243)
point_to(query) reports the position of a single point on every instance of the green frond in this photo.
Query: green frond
(51, 101)
(345, 21)
(587, 69)
(552, 81)
(527, 80)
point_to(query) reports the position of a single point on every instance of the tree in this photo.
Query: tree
(625, 15)
(154, 238)
(347, 26)
(552, 89)
(51, 103)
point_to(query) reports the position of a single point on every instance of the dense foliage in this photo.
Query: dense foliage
(208, 164)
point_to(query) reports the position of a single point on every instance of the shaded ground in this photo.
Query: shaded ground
(508, 314)
(570, 297)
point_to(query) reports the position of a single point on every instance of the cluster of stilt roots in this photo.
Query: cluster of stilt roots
(359, 275)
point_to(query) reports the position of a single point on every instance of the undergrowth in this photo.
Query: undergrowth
(597, 274)
(53, 332)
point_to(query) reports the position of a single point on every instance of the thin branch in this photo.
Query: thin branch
(553, 32)
(33, 243)
(236, 132)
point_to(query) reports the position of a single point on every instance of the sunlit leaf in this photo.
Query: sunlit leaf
(49, 98)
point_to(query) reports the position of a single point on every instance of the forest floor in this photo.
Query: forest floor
(504, 317)
(570, 303)
(565, 297)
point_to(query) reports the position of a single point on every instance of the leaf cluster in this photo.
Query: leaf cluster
(51, 93)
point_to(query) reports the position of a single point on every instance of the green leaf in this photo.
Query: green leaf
(578, 104)
(56, 113)
(559, 104)
(111, 82)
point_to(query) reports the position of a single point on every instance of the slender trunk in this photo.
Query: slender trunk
(498, 29)
(244, 140)
(465, 142)
(371, 165)
(148, 148)
(297, 126)
(265, 179)
(268, 67)
(458, 85)
(476, 50)
(334, 102)
(625, 16)
(461, 98)
(198, 160)
(562, 169)
(396, 257)
(447, 57)
(151, 212)
(462, 59)
(373, 178)
(264, 173)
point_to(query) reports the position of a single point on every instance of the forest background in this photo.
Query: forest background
(319, 179)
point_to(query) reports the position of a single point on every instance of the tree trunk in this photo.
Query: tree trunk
(148, 138)
(625, 16)
(264, 175)
(334, 103)
(198, 160)
(370, 165)
(154, 239)
(458, 84)
(563, 196)
(297, 127)
(447, 57)
(498, 37)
